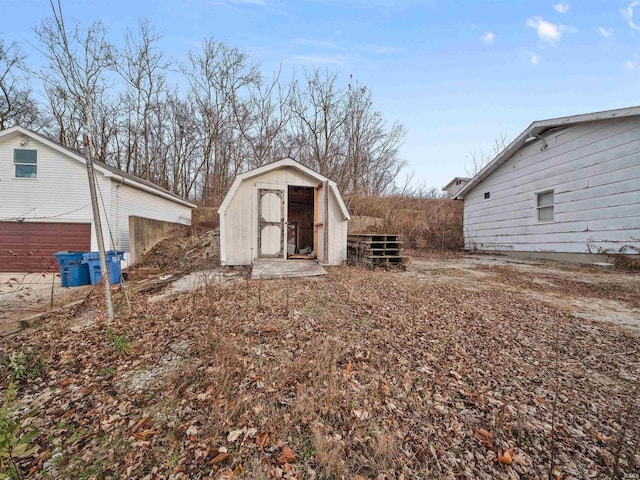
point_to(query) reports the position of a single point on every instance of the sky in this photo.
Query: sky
(458, 74)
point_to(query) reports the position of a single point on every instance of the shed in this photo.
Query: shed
(282, 210)
(565, 188)
(45, 206)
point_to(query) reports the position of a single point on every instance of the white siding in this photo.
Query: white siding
(239, 241)
(594, 171)
(129, 201)
(337, 233)
(60, 193)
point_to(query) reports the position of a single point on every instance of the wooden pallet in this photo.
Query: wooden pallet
(376, 250)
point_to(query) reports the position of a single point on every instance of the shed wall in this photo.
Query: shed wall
(594, 170)
(240, 220)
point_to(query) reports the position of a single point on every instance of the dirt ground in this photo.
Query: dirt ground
(588, 292)
(464, 366)
(23, 295)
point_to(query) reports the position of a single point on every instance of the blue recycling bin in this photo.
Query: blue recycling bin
(92, 259)
(73, 271)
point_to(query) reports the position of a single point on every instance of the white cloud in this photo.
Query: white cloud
(629, 65)
(547, 31)
(487, 38)
(562, 7)
(627, 13)
(605, 32)
(535, 59)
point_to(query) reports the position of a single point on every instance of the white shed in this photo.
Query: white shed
(565, 188)
(45, 205)
(281, 210)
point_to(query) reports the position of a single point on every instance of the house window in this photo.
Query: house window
(544, 205)
(487, 195)
(26, 163)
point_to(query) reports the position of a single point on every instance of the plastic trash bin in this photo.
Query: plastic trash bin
(73, 271)
(92, 259)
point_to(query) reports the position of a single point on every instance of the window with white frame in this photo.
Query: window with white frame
(544, 205)
(26, 163)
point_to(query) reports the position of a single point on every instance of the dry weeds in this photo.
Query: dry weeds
(357, 374)
(424, 223)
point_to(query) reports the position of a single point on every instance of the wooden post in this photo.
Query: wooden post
(98, 225)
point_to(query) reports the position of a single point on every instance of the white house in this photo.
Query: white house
(454, 186)
(566, 187)
(280, 210)
(45, 205)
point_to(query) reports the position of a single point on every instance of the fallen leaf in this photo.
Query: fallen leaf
(384, 388)
(507, 457)
(261, 439)
(235, 434)
(347, 370)
(485, 437)
(221, 457)
(145, 433)
(287, 456)
(557, 473)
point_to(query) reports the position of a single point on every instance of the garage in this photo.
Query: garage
(28, 247)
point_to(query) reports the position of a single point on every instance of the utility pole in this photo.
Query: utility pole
(98, 223)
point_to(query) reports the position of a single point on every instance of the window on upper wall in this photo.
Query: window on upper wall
(26, 163)
(544, 205)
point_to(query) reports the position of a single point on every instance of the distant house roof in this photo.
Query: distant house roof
(536, 131)
(464, 179)
(285, 162)
(107, 170)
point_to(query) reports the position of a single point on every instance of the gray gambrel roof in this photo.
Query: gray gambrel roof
(538, 128)
(107, 170)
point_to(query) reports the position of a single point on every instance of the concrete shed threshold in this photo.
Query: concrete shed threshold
(279, 268)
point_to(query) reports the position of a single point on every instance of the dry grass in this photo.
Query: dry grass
(360, 373)
(425, 223)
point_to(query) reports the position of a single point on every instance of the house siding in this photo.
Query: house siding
(129, 201)
(60, 192)
(594, 171)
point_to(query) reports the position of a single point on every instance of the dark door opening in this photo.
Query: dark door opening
(300, 222)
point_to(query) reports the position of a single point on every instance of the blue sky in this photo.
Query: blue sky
(456, 74)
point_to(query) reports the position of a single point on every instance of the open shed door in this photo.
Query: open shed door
(271, 232)
(321, 222)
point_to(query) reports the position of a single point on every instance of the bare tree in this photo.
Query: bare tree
(17, 107)
(77, 66)
(373, 152)
(318, 116)
(143, 68)
(217, 76)
(263, 119)
(479, 159)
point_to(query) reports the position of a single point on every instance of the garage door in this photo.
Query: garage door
(28, 247)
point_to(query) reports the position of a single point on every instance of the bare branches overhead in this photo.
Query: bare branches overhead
(192, 126)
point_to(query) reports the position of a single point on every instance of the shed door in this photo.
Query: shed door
(271, 223)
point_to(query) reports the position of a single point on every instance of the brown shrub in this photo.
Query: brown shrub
(424, 223)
